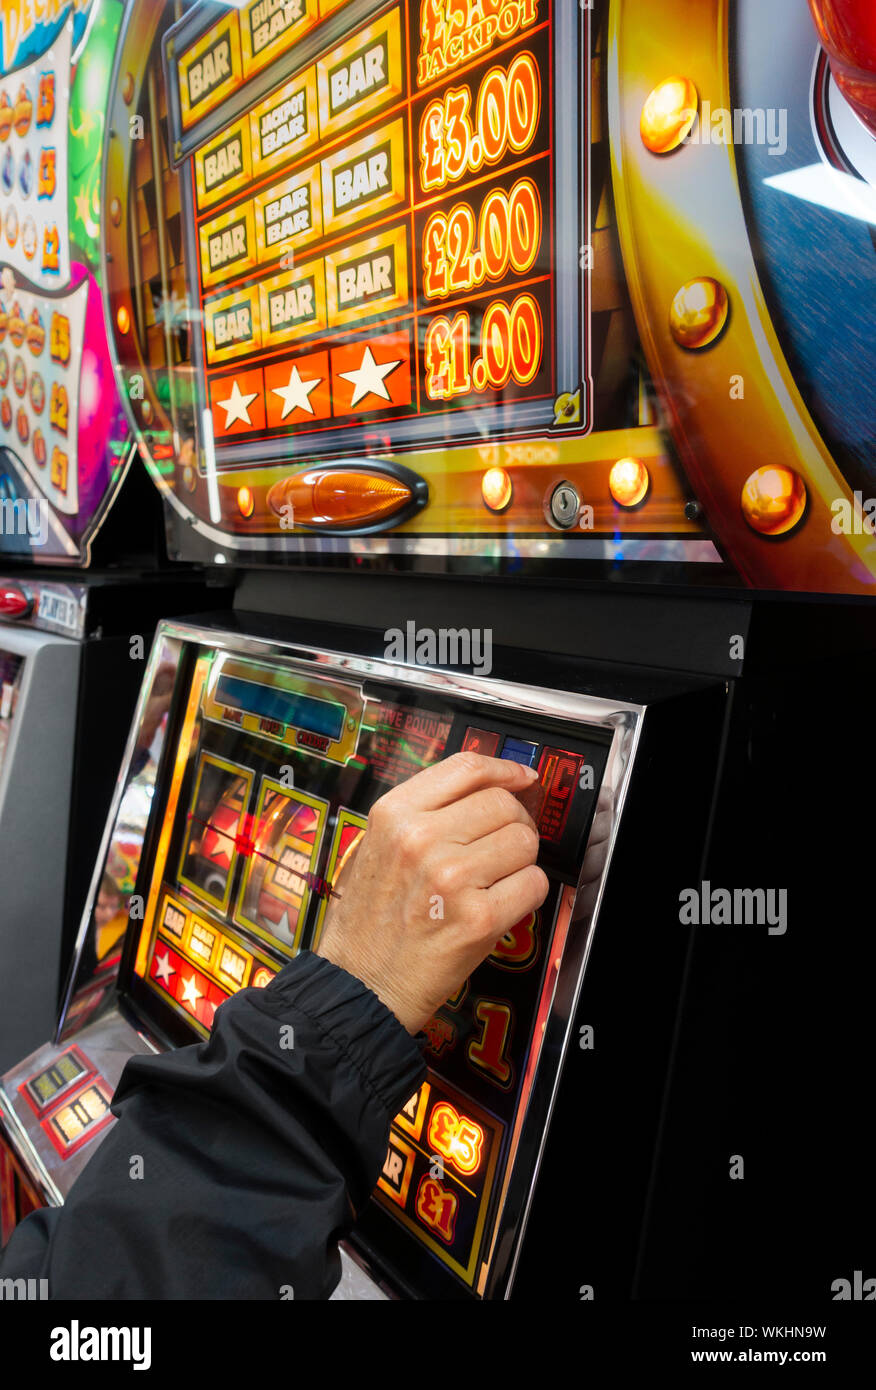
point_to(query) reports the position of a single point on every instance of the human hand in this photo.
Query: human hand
(445, 868)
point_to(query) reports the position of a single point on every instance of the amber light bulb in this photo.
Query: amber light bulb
(773, 500)
(496, 489)
(668, 115)
(628, 482)
(698, 313)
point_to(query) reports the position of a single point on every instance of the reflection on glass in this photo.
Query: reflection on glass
(97, 961)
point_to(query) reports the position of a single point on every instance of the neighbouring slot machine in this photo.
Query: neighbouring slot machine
(469, 294)
(65, 445)
(81, 547)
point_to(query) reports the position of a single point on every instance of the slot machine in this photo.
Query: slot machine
(274, 752)
(480, 295)
(80, 532)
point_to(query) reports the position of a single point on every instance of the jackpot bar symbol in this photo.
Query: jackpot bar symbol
(482, 166)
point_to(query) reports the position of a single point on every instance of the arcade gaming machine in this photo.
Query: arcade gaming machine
(482, 294)
(80, 537)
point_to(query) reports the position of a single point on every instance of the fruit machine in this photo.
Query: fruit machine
(472, 293)
(272, 753)
(81, 546)
(506, 286)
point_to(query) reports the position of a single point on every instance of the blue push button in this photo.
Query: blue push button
(517, 750)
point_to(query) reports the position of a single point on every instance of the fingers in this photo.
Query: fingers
(512, 898)
(496, 856)
(480, 814)
(457, 777)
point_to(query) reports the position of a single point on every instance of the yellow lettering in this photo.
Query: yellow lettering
(20, 18)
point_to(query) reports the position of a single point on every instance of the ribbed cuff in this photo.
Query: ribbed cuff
(359, 1024)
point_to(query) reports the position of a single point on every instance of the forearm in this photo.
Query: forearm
(235, 1165)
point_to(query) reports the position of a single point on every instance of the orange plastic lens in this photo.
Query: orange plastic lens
(628, 482)
(496, 489)
(699, 312)
(773, 500)
(245, 501)
(123, 319)
(668, 115)
(338, 497)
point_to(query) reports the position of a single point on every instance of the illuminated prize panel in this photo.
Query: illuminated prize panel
(265, 800)
(374, 238)
(502, 282)
(63, 436)
(70, 1099)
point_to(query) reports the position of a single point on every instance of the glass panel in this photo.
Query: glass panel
(267, 800)
(95, 966)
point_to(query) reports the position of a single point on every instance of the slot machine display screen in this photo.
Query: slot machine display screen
(500, 284)
(266, 795)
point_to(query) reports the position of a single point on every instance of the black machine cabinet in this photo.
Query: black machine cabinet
(279, 736)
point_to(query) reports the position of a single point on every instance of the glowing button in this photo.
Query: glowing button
(668, 115)
(339, 497)
(628, 482)
(123, 319)
(496, 489)
(773, 500)
(245, 501)
(699, 312)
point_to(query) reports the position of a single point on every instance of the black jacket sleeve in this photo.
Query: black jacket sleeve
(235, 1164)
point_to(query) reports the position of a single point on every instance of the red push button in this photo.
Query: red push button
(558, 774)
(480, 741)
(14, 602)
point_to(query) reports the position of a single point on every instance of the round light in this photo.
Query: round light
(496, 489)
(115, 212)
(128, 88)
(245, 501)
(628, 482)
(123, 319)
(699, 312)
(773, 500)
(668, 115)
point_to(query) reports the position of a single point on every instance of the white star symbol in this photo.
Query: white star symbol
(163, 969)
(191, 994)
(236, 406)
(281, 927)
(369, 379)
(296, 396)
